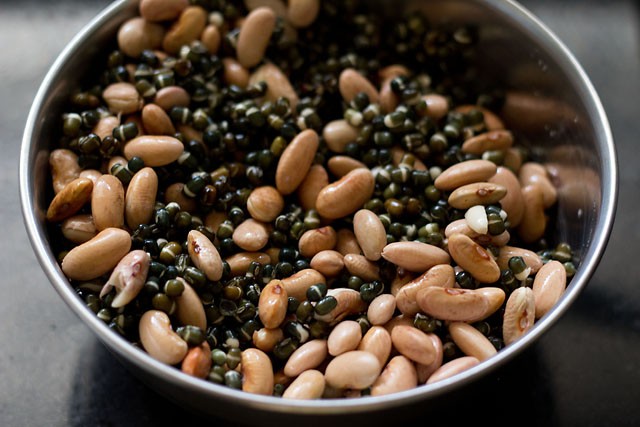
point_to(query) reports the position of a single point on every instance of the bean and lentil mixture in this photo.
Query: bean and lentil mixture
(302, 199)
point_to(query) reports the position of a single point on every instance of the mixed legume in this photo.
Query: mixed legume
(303, 200)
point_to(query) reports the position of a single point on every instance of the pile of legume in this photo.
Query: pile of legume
(302, 199)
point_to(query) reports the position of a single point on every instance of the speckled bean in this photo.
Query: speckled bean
(316, 240)
(64, 168)
(70, 199)
(473, 258)
(197, 362)
(352, 82)
(272, 305)
(370, 233)
(452, 368)
(309, 385)
(519, 314)
(295, 161)
(414, 344)
(128, 278)
(441, 275)
(107, 203)
(328, 262)
(464, 173)
(377, 341)
(381, 309)
(154, 150)
(204, 255)
(79, 228)
(185, 29)
(254, 36)
(251, 235)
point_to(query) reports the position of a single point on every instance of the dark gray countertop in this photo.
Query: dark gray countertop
(584, 371)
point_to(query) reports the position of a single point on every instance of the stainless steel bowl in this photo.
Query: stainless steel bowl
(551, 106)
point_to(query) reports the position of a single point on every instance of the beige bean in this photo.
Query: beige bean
(339, 166)
(214, 219)
(70, 199)
(346, 195)
(531, 258)
(295, 161)
(298, 283)
(491, 120)
(122, 98)
(434, 106)
(512, 202)
(175, 193)
(138, 34)
(257, 372)
(381, 309)
(254, 36)
(414, 344)
(316, 179)
(347, 243)
(338, 133)
(401, 278)
(348, 303)
(473, 258)
(329, 263)
(105, 126)
(345, 336)
(398, 321)
(266, 339)
(79, 228)
(64, 168)
(272, 305)
(478, 193)
(461, 226)
(370, 233)
(471, 341)
(197, 362)
(265, 203)
(91, 174)
(519, 314)
(278, 83)
(204, 255)
(211, 38)
(154, 150)
(452, 368)
(387, 99)
(415, 256)
(107, 203)
(239, 263)
(358, 265)
(534, 220)
(495, 297)
(513, 159)
(463, 173)
(353, 370)
(319, 239)
(350, 83)
(535, 173)
(161, 10)
(187, 28)
(492, 140)
(302, 13)
(441, 275)
(309, 385)
(399, 375)
(156, 121)
(97, 256)
(425, 371)
(251, 235)
(464, 305)
(128, 278)
(172, 96)
(377, 341)
(548, 286)
(140, 198)
(308, 356)
(159, 340)
(189, 308)
(234, 73)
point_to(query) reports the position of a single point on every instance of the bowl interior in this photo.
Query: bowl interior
(550, 106)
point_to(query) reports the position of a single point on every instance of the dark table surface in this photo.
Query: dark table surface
(585, 371)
